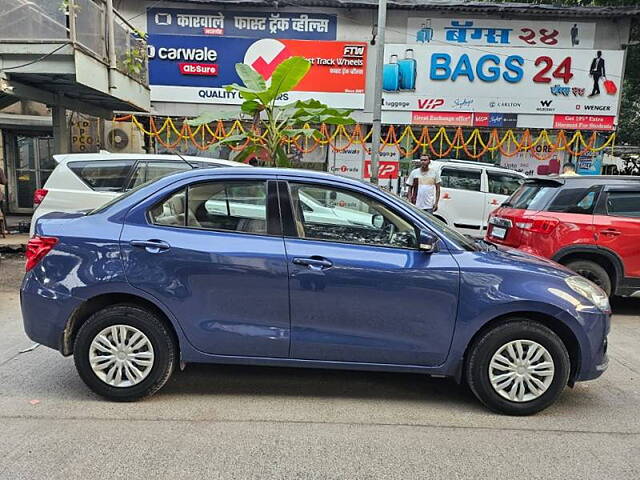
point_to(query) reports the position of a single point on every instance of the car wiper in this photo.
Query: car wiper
(484, 245)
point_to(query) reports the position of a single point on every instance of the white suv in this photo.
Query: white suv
(470, 191)
(89, 180)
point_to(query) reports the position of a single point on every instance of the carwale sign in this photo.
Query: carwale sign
(247, 24)
(195, 69)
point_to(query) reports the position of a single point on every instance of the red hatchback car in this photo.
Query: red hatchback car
(591, 224)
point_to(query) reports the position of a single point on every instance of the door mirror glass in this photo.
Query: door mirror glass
(428, 242)
(377, 221)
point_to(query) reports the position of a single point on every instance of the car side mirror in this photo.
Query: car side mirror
(377, 220)
(428, 242)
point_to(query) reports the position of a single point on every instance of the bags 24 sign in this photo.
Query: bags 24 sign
(505, 80)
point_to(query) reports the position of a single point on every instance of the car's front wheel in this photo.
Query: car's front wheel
(519, 367)
(124, 353)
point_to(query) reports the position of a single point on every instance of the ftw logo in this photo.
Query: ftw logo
(353, 51)
(430, 103)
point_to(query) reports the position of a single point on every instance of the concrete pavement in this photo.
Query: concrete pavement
(246, 422)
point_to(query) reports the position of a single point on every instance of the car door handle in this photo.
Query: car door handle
(151, 246)
(610, 232)
(314, 263)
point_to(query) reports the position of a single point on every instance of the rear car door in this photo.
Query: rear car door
(461, 198)
(617, 227)
(362, 291)
(222, 273)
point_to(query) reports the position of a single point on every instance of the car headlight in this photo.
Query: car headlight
(590, 291)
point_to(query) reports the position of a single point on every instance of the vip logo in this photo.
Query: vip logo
(353, 51)
(546, 103)
(430, 103)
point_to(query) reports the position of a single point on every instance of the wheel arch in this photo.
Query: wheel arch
(563, 331)
(606, 258)
(94, 304)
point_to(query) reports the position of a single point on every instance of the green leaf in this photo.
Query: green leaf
(281, 157)
(337, 121)
(293, 132)
(238, 138)
(208, 117)
(249, 150)
(288, 74)
(252, 79)
(251, 107)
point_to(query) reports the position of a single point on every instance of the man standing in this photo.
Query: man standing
(424, 186)
(574, 35)
(597, 71)
(569, 169)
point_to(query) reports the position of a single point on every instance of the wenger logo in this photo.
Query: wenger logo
(430, 103)
(601, 108)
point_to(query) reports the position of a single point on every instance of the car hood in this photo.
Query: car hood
(511, 256)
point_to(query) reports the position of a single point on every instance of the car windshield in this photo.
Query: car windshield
(531, 196)
(453, 235)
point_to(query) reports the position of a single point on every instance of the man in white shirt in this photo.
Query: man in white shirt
(424, 186)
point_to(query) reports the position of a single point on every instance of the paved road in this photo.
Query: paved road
(238, 422)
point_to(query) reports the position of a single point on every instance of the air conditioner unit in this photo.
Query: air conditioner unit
(123, 139)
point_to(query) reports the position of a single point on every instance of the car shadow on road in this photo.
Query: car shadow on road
(205, 379)
(625, 306)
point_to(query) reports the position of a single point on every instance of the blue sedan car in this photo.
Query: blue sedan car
(230, 266)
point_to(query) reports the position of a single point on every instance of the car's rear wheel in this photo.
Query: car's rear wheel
(124, 353)
(519, 367)
(592, 271)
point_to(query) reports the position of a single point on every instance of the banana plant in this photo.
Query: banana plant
(271, 120)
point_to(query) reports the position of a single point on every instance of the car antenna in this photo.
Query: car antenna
(193, 167)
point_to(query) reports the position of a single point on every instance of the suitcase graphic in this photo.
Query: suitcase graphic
(425, 34)
(391, 75)
(610, 87)
(408, 71)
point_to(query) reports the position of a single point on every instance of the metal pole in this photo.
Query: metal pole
(111, 42)
(377, 90)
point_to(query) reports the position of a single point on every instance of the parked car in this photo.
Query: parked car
(82, 181)
(591, 224)
(470, 191)
(156, 277)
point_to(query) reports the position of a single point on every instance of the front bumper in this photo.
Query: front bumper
(594, 358)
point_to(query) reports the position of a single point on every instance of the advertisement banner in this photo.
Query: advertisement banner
(195, 69)
(526, 163)
(583, 122)
(442, 118)
(502, 80)
(488, 32)
(247, 24)
(355, 162)
(494, 120)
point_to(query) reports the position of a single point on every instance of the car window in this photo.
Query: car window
(460, 179)
(103, 175)
(149, 171)
(503, 183)
(575, 200)
(531, 196)
(231, 206)
(349, 217)
(624, 204)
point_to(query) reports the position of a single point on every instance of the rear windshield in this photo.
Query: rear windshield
(103, 175)
(531, 196)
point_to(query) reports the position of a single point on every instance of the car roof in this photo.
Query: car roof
(588, 179)
(83, 157)
(453, 161)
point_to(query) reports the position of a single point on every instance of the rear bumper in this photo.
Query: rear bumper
(45, 313)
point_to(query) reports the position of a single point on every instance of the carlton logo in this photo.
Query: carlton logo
(430, 103)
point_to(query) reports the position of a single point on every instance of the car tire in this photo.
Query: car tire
(592, 271)
(483, 356)
(128, 338)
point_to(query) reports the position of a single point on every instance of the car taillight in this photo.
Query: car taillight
(38, 196)
(37, 248)
(537, 225)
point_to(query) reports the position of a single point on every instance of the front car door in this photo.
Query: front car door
(461, 199)
(222, 273)
(617, 226)
(364, 292)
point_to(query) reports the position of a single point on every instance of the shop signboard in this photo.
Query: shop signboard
(525, 162)
(501, 80)
(583, 122)
(245, 24)
(195, 69)
(490, 32)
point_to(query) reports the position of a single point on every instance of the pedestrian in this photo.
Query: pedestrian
(3, 220)
(424, 186)
(569, 169)
(597, 71)
(574, 35)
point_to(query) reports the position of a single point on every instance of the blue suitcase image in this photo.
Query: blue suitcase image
(425, 34)
(391, 75)
(408, 71)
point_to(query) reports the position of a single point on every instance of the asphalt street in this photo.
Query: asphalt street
(243, 422)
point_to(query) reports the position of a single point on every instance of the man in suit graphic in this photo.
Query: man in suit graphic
(597, 71)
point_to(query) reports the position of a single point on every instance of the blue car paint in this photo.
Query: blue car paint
(472, 288)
